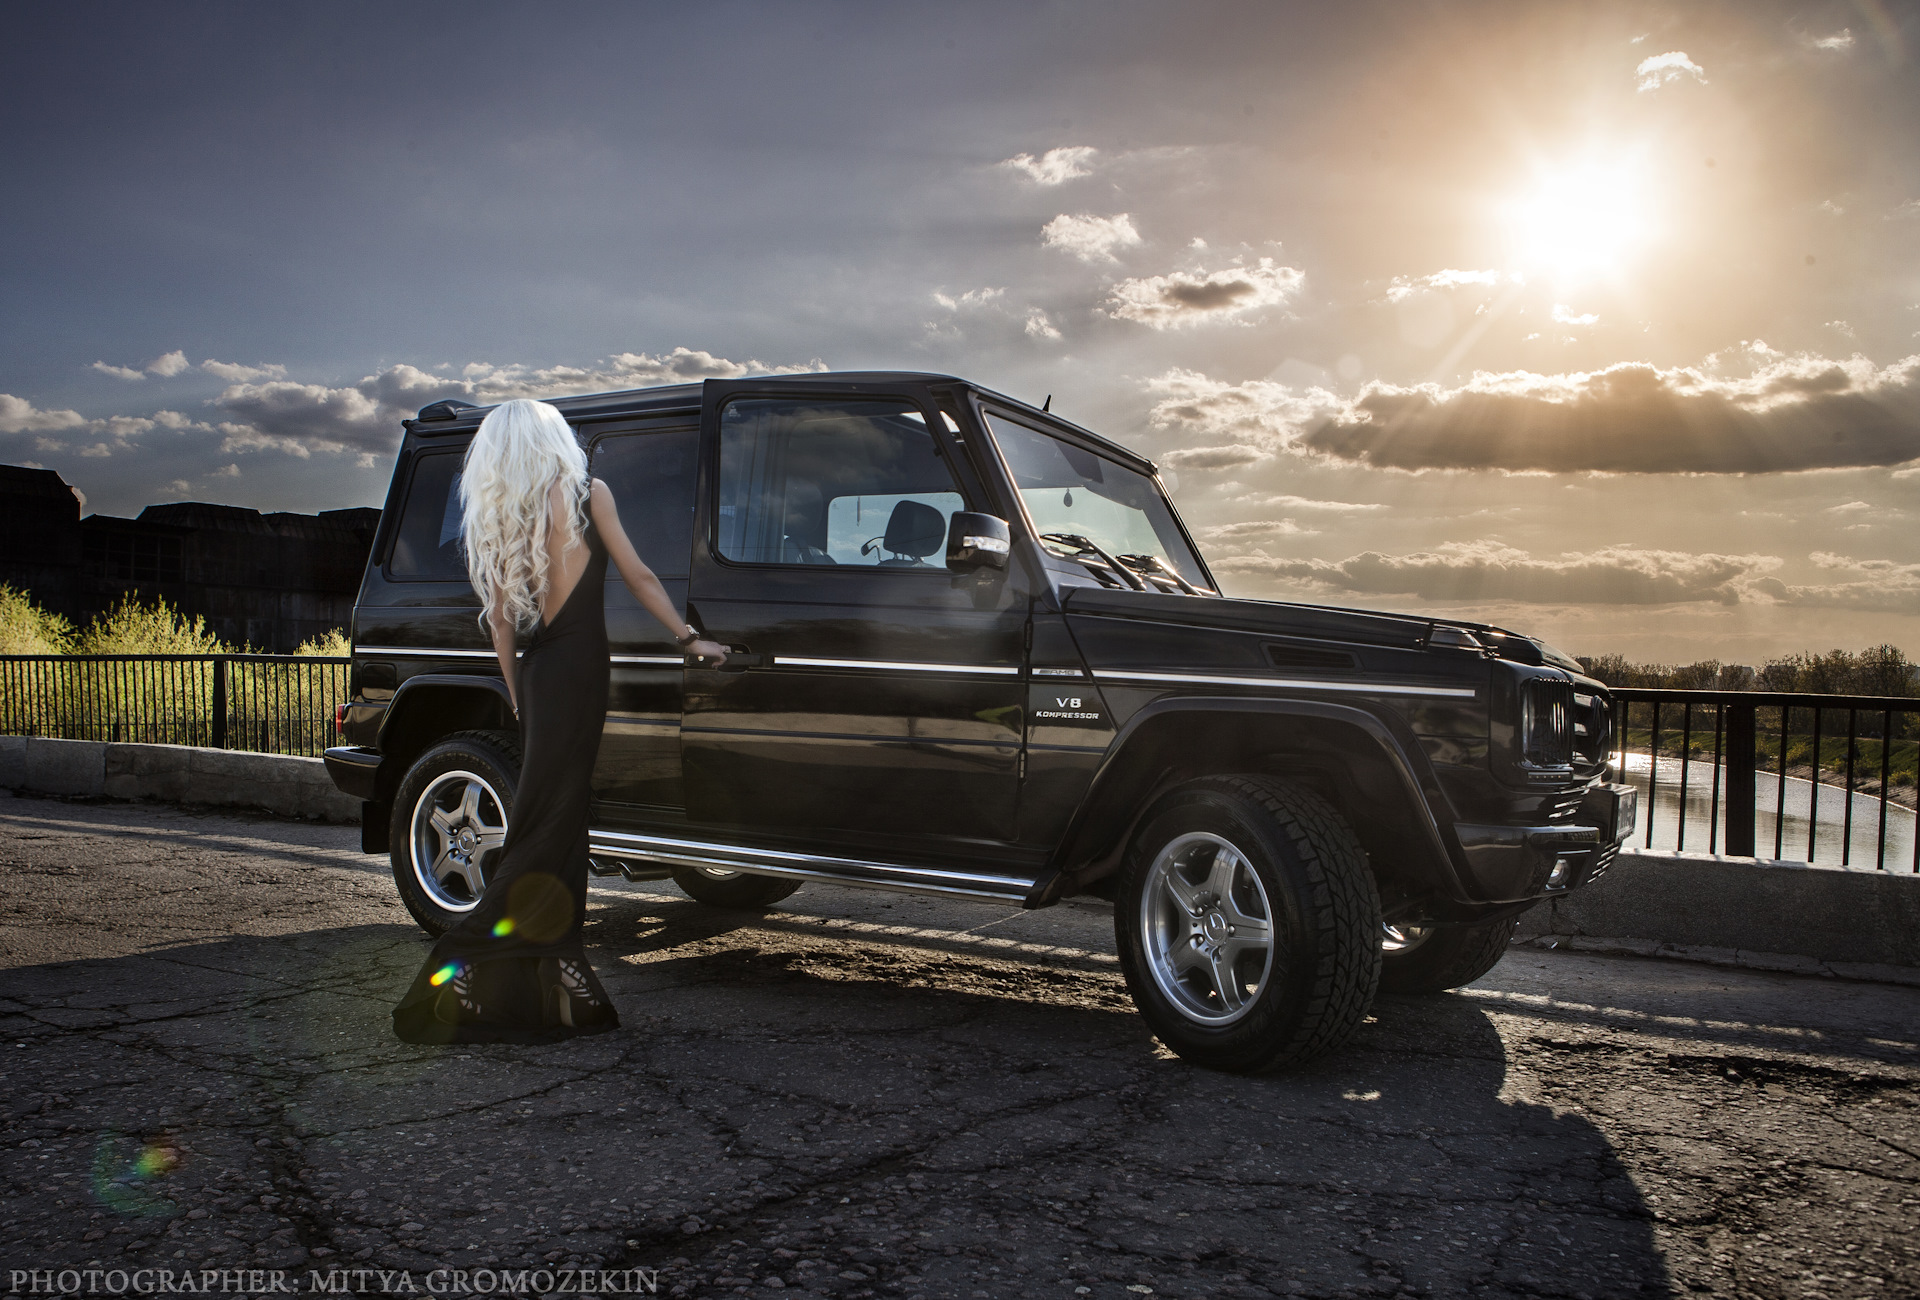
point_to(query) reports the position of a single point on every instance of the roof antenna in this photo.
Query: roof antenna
(1048, 404)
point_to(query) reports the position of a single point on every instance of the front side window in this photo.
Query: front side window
(427, 547)
(833, 482)
(651, 478)
(1069, 490)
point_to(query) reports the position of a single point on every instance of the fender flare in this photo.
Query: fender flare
(491, 708)
(1086, 843)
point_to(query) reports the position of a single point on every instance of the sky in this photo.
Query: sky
(1599, 321)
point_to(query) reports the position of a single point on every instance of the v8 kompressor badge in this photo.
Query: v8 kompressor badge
(1052, 707)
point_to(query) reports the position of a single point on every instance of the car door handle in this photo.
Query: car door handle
(739, 659)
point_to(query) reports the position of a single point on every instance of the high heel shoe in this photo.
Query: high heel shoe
(456, 1003)
(570, 987)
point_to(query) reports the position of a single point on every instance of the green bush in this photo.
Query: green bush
(26, 629)
(131, 628)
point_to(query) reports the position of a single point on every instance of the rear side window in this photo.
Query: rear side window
(839, 481)
(427, 547)
(651, 478)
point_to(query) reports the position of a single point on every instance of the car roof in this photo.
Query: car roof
(672, 397)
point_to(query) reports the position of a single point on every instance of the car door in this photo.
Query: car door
(873, 695)
(649, 465)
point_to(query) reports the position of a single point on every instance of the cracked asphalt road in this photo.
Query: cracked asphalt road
(862, 1094)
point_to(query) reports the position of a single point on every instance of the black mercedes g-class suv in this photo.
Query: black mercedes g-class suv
(974, 651)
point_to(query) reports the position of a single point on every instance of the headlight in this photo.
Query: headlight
(1546, 723)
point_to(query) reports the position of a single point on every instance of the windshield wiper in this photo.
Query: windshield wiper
(1153, 564)
(1083, 546)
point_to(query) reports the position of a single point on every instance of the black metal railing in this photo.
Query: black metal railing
(271, 704)
(1756, 743)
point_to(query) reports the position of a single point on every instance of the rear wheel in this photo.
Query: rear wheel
(1435, 958)
(1247, 923)
(449, 822)
(737, 890)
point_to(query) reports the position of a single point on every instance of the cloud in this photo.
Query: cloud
(1838, 43)
(1881, 586)
(1310, 503)
(1090, 238)
(1038, 326)
(1403, 287)
(1183, 298)
(1564, 315)
(238, 374)
(1660, 70)
(1790, 413)
(1255, 528)
(300, 419)
(169, 365)
(1055, 165)
(1223, 457)
(226, 471)
(119, 372)
(17, 415)
(1486, 570)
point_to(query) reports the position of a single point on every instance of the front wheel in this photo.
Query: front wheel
(733, 890)
(1435, 958)
(1247, 924)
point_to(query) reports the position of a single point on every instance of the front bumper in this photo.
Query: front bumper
(1513, 863)
(355, 770)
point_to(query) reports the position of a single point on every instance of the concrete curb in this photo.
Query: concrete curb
(223, 778)
(1835, 916)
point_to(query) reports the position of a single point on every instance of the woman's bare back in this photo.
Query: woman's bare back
(565, 565)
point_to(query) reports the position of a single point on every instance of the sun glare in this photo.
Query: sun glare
(1580, 222)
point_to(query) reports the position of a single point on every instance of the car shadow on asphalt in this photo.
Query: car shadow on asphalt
(1040, 1119)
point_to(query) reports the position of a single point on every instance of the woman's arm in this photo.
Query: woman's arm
(639, 578)
(500, 625)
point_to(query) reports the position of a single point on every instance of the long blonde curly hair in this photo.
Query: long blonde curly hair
(522, 447)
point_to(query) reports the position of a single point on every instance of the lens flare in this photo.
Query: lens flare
(125, 1173)
(503, 927)
(444, 974)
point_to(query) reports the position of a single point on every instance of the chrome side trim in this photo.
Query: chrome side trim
(1292, 683)
(807, 866)
(1058, 672)
(427, 652)
(897, 666)
(421, 652)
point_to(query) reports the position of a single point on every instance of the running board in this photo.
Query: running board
(654, 857)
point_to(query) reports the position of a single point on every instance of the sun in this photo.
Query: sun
(1581, 221)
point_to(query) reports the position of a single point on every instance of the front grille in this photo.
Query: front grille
(1547, 723)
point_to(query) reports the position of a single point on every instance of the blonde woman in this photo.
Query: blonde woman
(538, 536)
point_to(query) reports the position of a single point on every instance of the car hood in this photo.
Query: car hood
(1318, 622)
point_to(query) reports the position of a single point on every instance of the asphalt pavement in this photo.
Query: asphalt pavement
(862, 1094)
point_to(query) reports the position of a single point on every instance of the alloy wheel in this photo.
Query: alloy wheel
(1207, 928)
(458, 828)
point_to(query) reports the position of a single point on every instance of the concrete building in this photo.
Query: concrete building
(268, 581)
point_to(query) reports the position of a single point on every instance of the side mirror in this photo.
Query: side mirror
(977, 541)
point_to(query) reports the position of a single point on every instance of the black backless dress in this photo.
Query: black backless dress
(513, 970)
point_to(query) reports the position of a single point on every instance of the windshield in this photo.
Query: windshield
(1069, 490)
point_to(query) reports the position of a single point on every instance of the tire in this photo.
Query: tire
(1433, 959)
(1223, 857)
(733, 890)
(449, 820)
